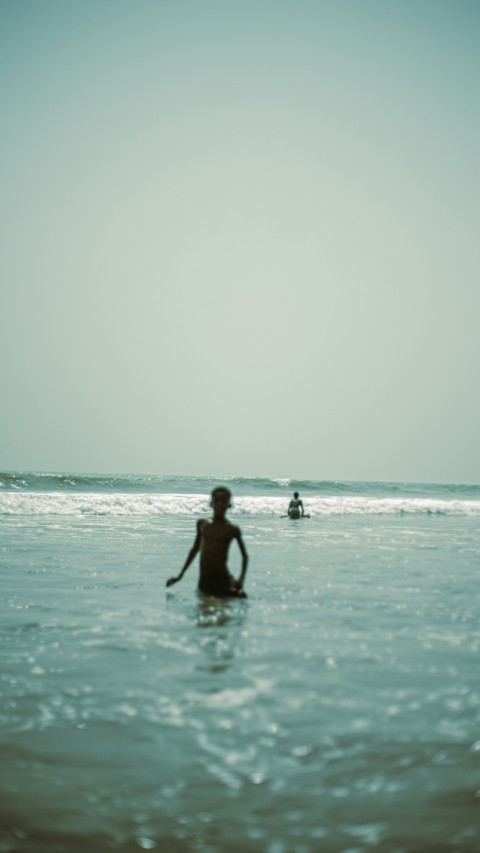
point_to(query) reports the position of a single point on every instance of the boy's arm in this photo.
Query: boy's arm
(244, 554)
(301, 504)
(191, 556)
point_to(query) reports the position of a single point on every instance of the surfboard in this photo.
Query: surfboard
(295, 517)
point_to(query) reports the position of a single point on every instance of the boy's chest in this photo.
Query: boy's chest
(217, 533)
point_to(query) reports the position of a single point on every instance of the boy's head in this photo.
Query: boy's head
(295, 494)
(221, 498)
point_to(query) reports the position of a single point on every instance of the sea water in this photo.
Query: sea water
(335, 709)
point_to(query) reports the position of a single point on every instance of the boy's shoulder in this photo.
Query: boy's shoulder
(201, 522)
(225, 525)
(235, 530)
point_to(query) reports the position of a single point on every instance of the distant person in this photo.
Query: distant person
(295, 507)
(213, 541)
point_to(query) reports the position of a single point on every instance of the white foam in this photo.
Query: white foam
(147, 504)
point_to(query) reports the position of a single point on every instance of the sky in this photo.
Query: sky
(240, 237)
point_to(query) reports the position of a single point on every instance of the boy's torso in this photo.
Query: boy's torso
(216, 538)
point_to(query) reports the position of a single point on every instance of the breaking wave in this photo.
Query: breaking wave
(168, 504)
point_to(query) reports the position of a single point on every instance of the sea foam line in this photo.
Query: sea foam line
(140, 504)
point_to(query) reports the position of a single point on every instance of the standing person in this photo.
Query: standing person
(295, 507)
(213, 541)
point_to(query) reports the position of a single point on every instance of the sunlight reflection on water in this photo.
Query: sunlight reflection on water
(339, 698)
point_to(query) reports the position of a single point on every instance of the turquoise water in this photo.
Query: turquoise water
(336, 709)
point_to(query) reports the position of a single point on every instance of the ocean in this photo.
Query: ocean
(336, 709)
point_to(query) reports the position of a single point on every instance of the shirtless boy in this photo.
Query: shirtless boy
(213, 541)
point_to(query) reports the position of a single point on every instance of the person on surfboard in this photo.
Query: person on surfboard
(295, 507)
(213, 541)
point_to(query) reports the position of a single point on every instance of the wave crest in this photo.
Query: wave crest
(145, 504)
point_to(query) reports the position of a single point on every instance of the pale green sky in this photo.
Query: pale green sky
(241, 237)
